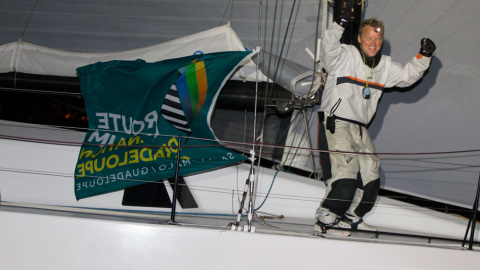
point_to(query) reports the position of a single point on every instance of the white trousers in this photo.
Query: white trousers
(345, 189)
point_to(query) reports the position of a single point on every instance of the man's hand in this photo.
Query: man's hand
(348, 13)
(427, 47)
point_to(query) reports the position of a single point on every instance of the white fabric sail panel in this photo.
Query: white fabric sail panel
(7, 56)
(300, 140)
(290, 75)
(438, 114)
(33, 59)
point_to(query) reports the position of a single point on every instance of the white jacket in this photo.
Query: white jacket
(348, 76)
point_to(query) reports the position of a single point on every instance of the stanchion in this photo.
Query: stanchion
(473, 220)
(249, 187)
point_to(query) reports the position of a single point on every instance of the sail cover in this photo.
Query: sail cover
(30, 58)
(142, 116)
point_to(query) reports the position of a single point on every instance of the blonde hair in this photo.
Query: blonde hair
(373, 23)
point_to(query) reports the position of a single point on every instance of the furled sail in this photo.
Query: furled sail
(34, 59)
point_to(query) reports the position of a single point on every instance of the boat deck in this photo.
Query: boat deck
(262, 224)
(78, 238)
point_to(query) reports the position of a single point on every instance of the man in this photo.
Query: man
(356, 77)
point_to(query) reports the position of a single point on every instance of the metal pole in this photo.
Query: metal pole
(250, 204)
(174, 197)
(474, 219)
(466, 233)
(251, 177)
(236, 225)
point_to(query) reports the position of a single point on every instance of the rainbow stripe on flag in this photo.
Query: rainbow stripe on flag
(192, 88)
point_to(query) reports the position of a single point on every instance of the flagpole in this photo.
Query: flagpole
(174, 197)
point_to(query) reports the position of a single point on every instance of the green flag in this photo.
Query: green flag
(140, 112)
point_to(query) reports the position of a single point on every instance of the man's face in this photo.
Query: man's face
(371, 41)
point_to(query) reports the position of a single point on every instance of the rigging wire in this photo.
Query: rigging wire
(296, 118)
(229, 5)
(217, 190)
(277, 66)
(46, 92)
(314, 72)
(255, 110)
(267, 92)
(269, 66)
(257, 71)
(66, 104)
(271, 195)
(307, 121)
(222, 142)
(315, 51)
(28, 20)
(20, 41)
(211, 189)
(307, 132)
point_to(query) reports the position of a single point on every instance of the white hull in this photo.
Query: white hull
(36, 241)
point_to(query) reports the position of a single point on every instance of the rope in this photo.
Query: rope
(210, 189)
(28, 20)
(283, 43)
(225, 10)
(20, 41)
(269, 93)
(222, 142)
(45, 92)
(255, 110)
(271, 185)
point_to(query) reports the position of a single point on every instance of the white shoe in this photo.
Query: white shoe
(359, 225)
(325, 216)
(330, 229)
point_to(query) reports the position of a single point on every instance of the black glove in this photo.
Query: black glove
(348, 13)
(427, 47)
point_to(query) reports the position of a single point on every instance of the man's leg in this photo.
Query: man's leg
(342, 185)
(368, 182)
